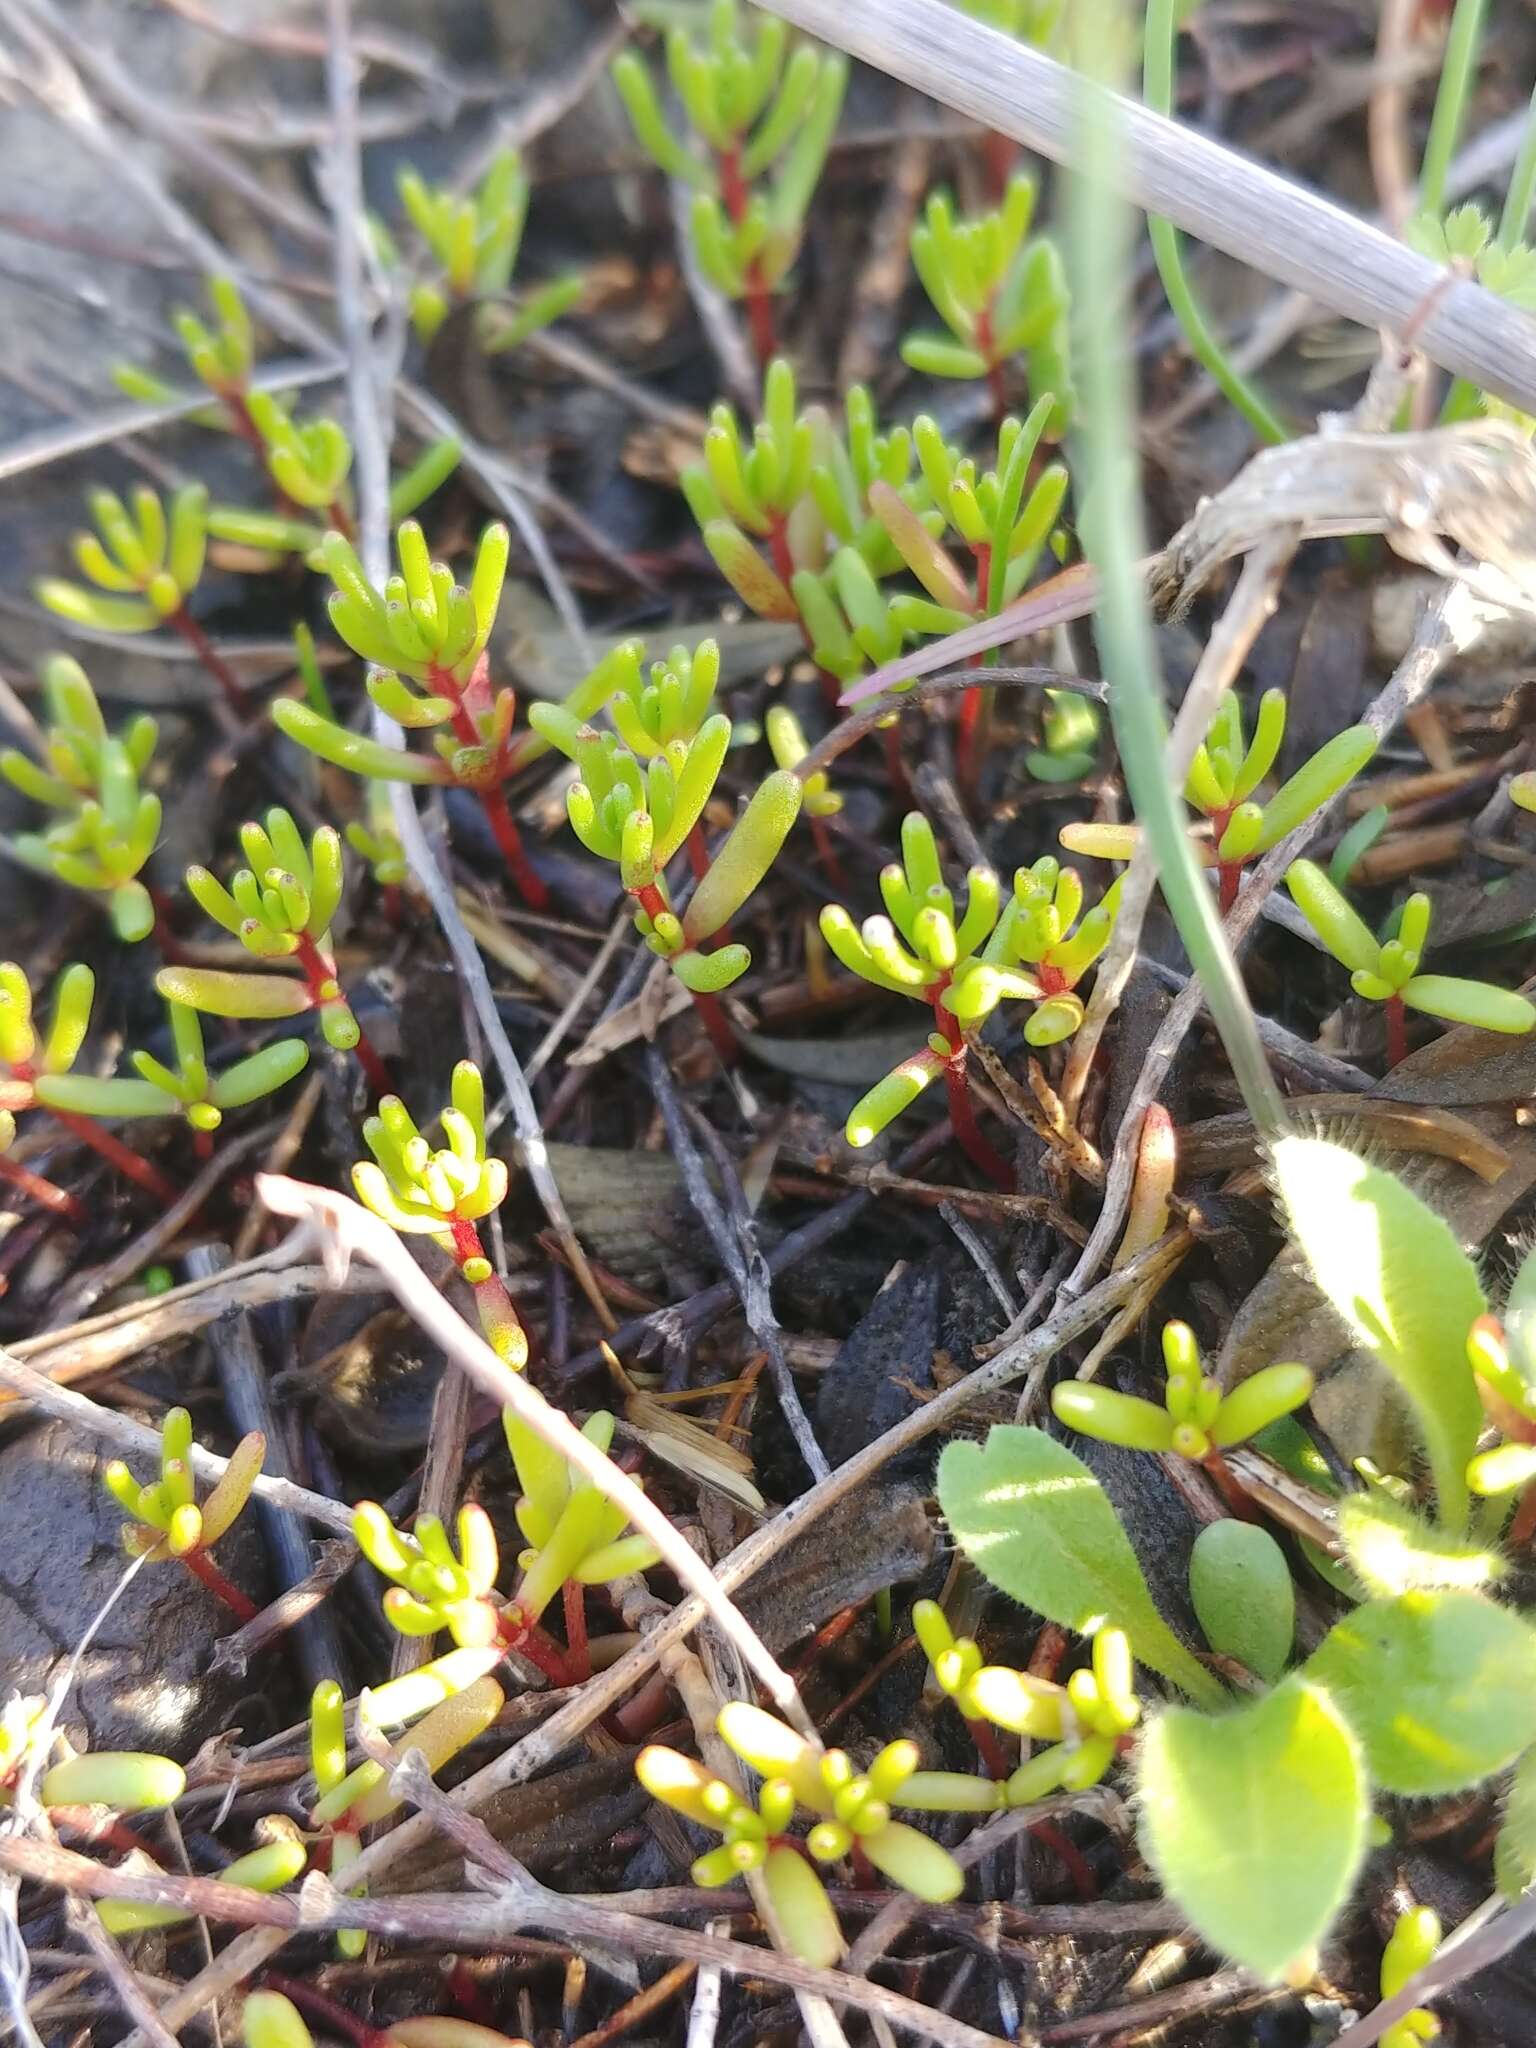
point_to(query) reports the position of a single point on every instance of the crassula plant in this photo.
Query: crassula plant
(1002, 294)
(1223, 782)
(1386, 971)
(106, 823)
(640, 817)
(763, 116)
(165, 1518)
(444, 1194)
(425, 638)
(474, 239)
(127, 1780)
(576, 1538)
(142, 564)
(280, 907)
(963, 967)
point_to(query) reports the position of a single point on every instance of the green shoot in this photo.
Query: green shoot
(164, 1517)
(763, 118)
(187, 1088)
(1387, 971)
(475, 240)
(107, 824)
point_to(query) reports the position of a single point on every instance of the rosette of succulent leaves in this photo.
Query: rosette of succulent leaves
(763, 114)
(425, 639)
(640, 814)
(1035, 949)
(475, 239)
(106, 822)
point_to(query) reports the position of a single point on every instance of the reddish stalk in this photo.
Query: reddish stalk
(190, 631)
(498, 1318)
(1229, 877)
(41, 1191)
(95, 1826)
(331, 2010)
(962, 1114)
(999, 153)
(1523, 1527)
(1222, 1477)
(710, 1014)
(826, 853)
(1397, 1030)
(736, 198)
(996, 382)
(895, 766)
(529, 886)
(1067, 1853)
(129, 1164)
(202, 1567)
(579, 1657)
(989, 1748)
(698, 852)
(534, 1643)
(320, 980)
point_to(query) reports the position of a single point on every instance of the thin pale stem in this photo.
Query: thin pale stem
(1157, 91)
(1457, 72)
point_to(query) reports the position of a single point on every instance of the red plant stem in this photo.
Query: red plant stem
(202, 1567)
(698, 852)
(1397, 1030)
(324, 2007)
(985, 347)
(999, 153)
(1523, 1526)
(234, 690)
(129, 1164)
(492, 1301)
(320, 979)
(577, 1654)
(341, 519)
(529, 886)
(41, 1191)
(96, 1826)
(710, 1014)
(391, 900)
(989, 1748)
(736, 199)
(1229, 876)
(895, 766)
(961, 1113)
(534, 1643)
(1072, 1859)
(826, 853)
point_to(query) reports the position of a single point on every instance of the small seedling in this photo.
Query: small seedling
(107, 824)
(1466, 242)
(221, 356)
(1000, 517)
(1195, 1419)
(475, 241)
(1086, 1721)
(853, 1810)
(444, 1194)
(425, 630)
(37, 1067)
(1227, 769)
(144, 564)
(279, 908)
(640, 818)
(164, 1517)
(1001, 293)
(1387, 971)
(575, 1536)
(766, 125)
(188, 1088)
(963, 969)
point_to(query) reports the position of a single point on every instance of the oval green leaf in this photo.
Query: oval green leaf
(1033, 1519)
(1255, 1821)
(1241, 1587)
(1440, 1687)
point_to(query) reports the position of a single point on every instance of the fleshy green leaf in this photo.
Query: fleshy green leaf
(1393, 1550)
(1440, 1687)
(1241, 1587)
(1396, 1275)
(1277, 1787)
(1033, 1519)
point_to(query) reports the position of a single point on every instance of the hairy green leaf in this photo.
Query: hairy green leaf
(1032, 1517)
(1393, 1550)
(1394, 1272)
(1255, 1821)
(1514, 1852)
(1241, 1587)
(1440, 1687)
